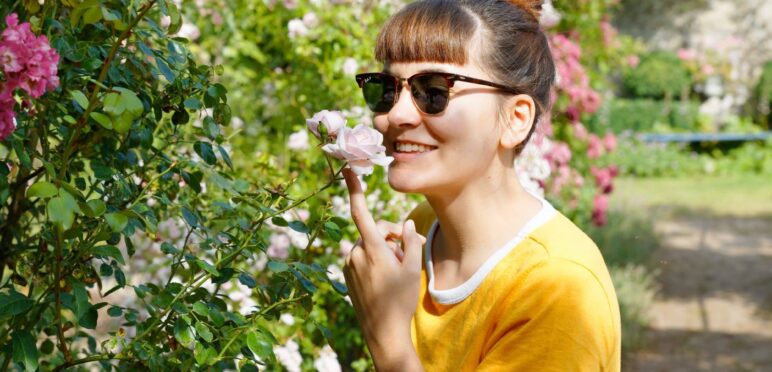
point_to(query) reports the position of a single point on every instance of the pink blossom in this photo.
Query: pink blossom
(604, 178)
(298, 140)
(560, 154)
(332, 121)
(600, 206)
(685, 54)
(361, 147)
(580, 132)
(279, 247)
(297, 28)
(633, 61)
(707, 69)
(7, 122)
(594, 147)
(350, 66)
(549, 16)
(27, 62)
(608, 31)
(610, 141)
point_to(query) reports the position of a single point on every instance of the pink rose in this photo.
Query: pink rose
(333, 121)
(633, 61)
(594, 147)
(361, 147)
(279, 247)
(610, 141)
(600, 205)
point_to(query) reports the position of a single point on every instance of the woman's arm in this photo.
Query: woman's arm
(384, 289)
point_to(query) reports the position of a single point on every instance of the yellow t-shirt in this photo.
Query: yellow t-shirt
(542, 302)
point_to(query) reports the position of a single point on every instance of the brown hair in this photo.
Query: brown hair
(514, 50)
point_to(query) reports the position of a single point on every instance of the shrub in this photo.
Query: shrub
(636, 287)
(643, 115)
(660, 74)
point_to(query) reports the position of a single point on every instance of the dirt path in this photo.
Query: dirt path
(714, 308)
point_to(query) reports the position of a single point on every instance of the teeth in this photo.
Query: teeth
(411, 147)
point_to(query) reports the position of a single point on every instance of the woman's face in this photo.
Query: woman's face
(464, 139)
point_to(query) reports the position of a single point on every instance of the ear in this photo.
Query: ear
(521, 115)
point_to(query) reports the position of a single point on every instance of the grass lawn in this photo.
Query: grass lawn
(741, 195)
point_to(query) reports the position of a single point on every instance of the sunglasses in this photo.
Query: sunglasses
(430, 90)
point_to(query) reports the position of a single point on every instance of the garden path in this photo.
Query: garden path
(713, 311)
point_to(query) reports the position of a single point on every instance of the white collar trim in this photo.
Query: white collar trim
(457, 294)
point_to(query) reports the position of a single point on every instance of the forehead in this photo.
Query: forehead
(407, 69)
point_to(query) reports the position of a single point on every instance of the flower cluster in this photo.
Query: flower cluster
(361, 147)
(572, 78)
(27, 62)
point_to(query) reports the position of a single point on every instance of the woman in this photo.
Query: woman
(502, 281)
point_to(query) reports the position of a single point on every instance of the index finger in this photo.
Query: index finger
(359, 212)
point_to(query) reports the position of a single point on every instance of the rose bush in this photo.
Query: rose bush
(162, 213)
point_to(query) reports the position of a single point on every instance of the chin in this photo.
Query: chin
(405, 183)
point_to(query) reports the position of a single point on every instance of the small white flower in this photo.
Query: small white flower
(287, 319)
(350, 66)
(297, 28)
(327, 360)
(298, 141)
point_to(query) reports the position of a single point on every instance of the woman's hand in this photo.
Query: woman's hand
(384, 282)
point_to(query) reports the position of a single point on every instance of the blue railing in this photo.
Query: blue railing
(704, 137)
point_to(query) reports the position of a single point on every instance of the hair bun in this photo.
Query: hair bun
(532, 7)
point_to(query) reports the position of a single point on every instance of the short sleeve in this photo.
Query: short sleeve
(558, 319)
(423, 216)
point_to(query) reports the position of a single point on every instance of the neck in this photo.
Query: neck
(479, 218)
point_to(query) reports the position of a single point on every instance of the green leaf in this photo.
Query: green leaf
(192, 103)
(111, 103)
(279, 221)
(114, 311)
(117, 221)
(102, 119)
(79, 98)
(82, 303)
(189, 217)
(24, 350)
(333, 231)
(204, 150)
(97, 207)
(175, 19)
(168, 248)
(225, 156)
(247, 280)
(298, 226)
(259, 345)
(59, 213)
(129, 101)
(42, 189)
(89, 319)
(200, 308)
(183, 332)
(14, 303)
(204, 332)
(109, 251)
(122, 124)
(205, 355)
(206, 266)
(339, 287)
(277, 266)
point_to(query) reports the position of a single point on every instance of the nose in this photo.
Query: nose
(404, 113)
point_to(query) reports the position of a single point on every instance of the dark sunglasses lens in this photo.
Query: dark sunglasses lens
(379, 92)
(430, 92)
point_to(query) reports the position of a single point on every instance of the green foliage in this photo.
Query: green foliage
(663, 160)
(635, 287)
(660, 74)
(643, 115)
(131, 146)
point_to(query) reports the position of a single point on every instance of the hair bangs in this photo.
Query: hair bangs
(427, 31)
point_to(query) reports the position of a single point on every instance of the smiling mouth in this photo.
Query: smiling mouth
(411, 148)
